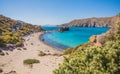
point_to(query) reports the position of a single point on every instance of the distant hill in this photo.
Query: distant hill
(11, 24)
(92, 22)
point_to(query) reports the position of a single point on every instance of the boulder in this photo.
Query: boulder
(96, 40)
(93, 39)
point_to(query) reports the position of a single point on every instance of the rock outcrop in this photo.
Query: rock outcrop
(97, 40)
(93, 39)
(63, 28)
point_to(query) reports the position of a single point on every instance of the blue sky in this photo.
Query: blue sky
(55, 12)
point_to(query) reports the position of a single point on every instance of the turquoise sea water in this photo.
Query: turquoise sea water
(72, 38)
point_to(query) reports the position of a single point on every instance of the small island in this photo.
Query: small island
(63, 28)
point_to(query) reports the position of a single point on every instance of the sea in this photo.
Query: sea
(72, 38)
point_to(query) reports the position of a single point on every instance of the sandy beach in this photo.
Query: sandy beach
(14, 61)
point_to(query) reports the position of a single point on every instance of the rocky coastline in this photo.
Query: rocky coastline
(99, 40)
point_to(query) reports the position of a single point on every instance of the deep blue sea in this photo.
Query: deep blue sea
(72, 38)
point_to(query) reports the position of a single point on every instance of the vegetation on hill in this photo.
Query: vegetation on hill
(11, 31)
(94, 60)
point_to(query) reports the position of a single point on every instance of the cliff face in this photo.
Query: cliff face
(99, 40)
(92, 22)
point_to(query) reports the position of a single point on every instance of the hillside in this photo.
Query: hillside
(11, 31)
(92, 22)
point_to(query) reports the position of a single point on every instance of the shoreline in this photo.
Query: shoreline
(56, 48)
(14, 60)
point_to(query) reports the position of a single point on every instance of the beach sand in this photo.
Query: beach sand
(14, 61)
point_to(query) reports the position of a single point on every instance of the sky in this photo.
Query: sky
(56, 12)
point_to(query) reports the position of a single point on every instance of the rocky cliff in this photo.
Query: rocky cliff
(92, 22)
(99, 40)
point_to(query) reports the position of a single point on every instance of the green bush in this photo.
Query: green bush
(68, 51)
(31, 61)
(55, 54)
(2, 44)
(93, 60)
(42, 53)
(19, 43)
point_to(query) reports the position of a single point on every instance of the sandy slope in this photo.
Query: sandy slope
(14, 61)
